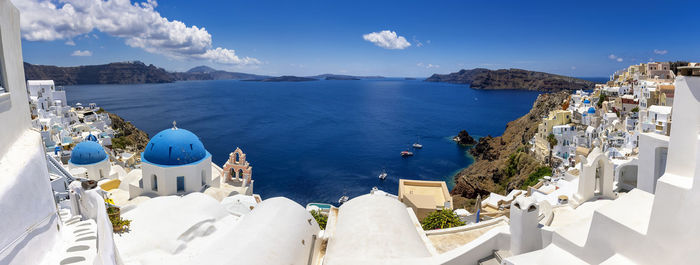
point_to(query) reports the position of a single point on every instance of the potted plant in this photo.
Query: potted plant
(119, 224)
(113, 212)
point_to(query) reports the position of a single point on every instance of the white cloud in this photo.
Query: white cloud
(387, 40)
(428, 66)
(81, 53)
(614, 57)
(573, 68)
(226, 56)
(139, 24)
(660, 52)
(70, 43)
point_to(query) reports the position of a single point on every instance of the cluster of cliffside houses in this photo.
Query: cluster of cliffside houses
(636, 100)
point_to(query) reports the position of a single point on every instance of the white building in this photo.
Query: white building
(658, 119)
(565, 135)
(175, 162)
(30, 227)
(90, 155)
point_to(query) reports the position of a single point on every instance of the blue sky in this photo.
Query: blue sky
(579, 38)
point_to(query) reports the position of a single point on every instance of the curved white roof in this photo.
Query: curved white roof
(371, 229)
(277, 231)
(169, 222)
(239, 204)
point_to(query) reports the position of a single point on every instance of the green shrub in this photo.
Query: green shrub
(121, 142)
(534, 177)
(320, 218)
(441, 219)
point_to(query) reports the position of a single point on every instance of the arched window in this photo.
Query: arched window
(204, 175)
(232, 173)
(599, 174)
(154, 182)
(240, 173)
(236, 158)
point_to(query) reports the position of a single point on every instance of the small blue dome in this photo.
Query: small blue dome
(586, 101)
(91, 137)
(172, 147)
(87, 153)
(591, 110)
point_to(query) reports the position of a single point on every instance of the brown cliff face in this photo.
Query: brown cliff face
(128, 137)
(481, 78)
(503, 163)
(112, 73)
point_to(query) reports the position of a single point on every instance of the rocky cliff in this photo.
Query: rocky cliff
(112, 73)
(481, 78)
(128, 137)
(504, 163)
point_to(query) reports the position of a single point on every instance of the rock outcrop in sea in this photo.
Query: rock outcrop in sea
(504, 163)
(481, 78)
(464, 138)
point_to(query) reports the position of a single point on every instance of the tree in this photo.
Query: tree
(441, 219)
(602, 98)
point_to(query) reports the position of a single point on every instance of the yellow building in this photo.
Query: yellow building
(555, 118)
(424, 197)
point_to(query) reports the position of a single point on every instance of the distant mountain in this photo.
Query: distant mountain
(201, 69)
(139, 73)
(285, 78)
(481, 78)
(113, 73)
(208, 73)
(343, 77)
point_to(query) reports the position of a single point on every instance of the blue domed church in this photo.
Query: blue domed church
(91, 156)
(175, 162)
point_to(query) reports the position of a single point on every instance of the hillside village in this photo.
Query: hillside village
(620, 188)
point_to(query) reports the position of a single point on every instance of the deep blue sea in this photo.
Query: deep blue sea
(316, 141)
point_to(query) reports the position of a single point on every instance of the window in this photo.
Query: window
(4, 90)
(154, 183)
(204, 175)
(2, 69)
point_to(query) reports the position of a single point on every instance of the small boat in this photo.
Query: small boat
(417, 144)
(406, 153)
(343, 199)
(383, 174)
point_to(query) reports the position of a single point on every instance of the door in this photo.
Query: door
(180, 184)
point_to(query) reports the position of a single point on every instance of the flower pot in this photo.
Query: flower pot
(115, 212)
